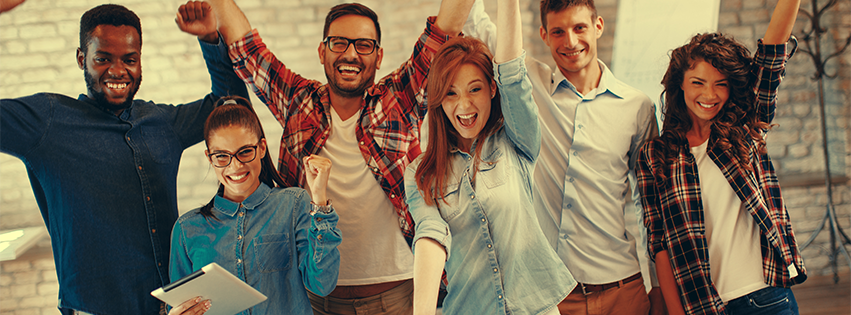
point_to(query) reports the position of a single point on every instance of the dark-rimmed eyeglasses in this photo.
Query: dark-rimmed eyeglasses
(245, 154)
(339, 44)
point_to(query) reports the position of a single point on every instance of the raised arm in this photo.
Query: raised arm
(782, 20)
(233, 24)
(452, 14)
(510, 43)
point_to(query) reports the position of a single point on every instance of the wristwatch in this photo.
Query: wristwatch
(326, 209)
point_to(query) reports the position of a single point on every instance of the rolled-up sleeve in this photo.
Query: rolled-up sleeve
(429, 223)
(518, 108)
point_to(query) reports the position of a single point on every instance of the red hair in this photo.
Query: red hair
(435, 166)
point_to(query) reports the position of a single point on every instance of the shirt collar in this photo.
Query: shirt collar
(125, 114)
(608, 83)
(253, 201)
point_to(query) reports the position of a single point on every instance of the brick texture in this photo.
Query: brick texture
(38, 40)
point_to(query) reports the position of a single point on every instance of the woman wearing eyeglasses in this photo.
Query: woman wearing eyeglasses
(276, 239)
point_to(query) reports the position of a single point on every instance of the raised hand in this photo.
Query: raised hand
(6, 5)
(196, 18)
(317, 169)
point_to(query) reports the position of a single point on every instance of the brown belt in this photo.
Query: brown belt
(362, 291)
(588, 288)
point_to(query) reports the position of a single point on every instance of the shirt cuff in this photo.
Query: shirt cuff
(436, 231)
(511, 71)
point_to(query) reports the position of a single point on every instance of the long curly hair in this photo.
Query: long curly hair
(736, 123)
(442, 136)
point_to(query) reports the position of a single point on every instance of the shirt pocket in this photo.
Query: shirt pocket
(449, 207)
(492, 170)
(272, 252)
(161, 144)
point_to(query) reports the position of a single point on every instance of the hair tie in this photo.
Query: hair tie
(231, 101)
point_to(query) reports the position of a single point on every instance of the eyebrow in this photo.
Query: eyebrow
(237, 150)
(101, 52)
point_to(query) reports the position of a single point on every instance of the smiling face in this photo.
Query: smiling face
(572, 36)
(467, 103)
(239, 179)
(112, 66)
(705, 91)
(349, 74)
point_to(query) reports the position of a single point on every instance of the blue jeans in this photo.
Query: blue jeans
(771, 300)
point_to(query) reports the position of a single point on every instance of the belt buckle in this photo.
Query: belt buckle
(582, 285)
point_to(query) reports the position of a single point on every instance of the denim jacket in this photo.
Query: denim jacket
(498, 259)
(269, 240)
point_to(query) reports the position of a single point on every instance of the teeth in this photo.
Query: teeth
(705, 105)
(238, 177)
(573, 54)
(468, 116)
(116, 86)
(348, 68)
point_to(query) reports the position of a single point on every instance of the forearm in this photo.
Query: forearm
(782, 21)
(510, 43)
(429, 260)
(233, 24)
(452, 14)
(668, 284)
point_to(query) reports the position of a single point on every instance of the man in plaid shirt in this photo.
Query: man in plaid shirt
(369, 131)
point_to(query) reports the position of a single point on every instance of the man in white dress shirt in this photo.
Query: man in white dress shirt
(592, 127)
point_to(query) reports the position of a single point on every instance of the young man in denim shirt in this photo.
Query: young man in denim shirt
(103, 166)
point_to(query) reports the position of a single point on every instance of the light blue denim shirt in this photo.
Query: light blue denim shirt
(498, 260)
(270, 241)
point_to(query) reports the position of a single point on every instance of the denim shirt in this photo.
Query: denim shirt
(498, 259)
(270, 241)
(106, 186)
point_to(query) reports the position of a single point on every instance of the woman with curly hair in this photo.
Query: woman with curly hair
(717, 225)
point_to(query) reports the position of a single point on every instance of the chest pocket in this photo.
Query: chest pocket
(161, 144)
(492, 170)
(450, 208)
(272, 252)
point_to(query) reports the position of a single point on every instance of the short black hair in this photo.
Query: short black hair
(548, 6)
(106, 14)
(344, 9)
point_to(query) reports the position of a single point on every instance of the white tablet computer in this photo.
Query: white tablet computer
(226, 292)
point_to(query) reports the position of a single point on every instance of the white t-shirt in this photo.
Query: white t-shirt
(373, 248)
(735, 257)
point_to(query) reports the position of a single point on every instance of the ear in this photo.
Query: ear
(493, 89)
(207, 155)
(321, 51)
(379, 55)
(543, 32)
(599, 26)
(81, 59)
(262, 147)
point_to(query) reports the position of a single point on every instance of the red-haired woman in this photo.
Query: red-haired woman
(718, 228)
(470, 192)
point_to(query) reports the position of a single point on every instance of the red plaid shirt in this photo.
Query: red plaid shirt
(389, 128)
(674, 211)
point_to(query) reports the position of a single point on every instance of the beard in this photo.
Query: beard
(100, 97)
(351, 91)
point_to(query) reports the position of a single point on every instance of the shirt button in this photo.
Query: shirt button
(570, 180)
(393, 196)
(140, 167)
(238, 261)
(153, 230)
(149, 198)
(499, 296)
(580, 126)
(575, 153)
(128, 138)
(472, 196)
(483, 219)
(489, 245)
(241, 213)
(494, 270)
(361, 143)
(239, 237)
(318, 219)
(319, 237)
(570, 205)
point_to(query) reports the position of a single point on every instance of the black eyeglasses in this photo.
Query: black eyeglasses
(245, 154)
(338, 44)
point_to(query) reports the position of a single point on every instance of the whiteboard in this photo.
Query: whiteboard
(646, 32)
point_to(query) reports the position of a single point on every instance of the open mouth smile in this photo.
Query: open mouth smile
(467, 120)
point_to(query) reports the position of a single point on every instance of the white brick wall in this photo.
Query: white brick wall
(37, 53)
